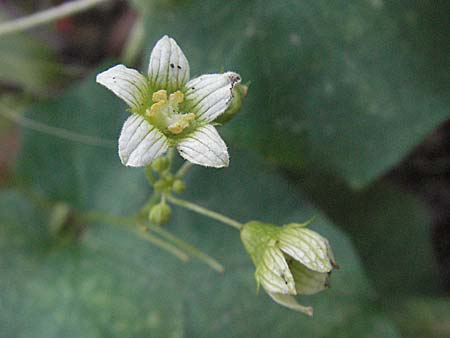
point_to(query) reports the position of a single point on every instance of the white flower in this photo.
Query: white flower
(169, 110)
(290, 260)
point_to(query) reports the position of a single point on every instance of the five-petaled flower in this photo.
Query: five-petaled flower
(290, 260)
(169, 110)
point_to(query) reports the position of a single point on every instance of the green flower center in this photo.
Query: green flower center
(164, 112)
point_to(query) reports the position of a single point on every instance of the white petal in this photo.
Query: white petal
(291, 303)
(140, 143)
(273, 272)
(128, 84)
(307, 247)
(205, 147)
(208, 96)
(307, 281)
(168, 68)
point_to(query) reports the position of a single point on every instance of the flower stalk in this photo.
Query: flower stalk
(205, 212)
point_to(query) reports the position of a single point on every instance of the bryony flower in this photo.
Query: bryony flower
(290, 260)
(169, 110)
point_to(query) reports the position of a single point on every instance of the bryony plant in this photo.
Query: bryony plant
(170, 111)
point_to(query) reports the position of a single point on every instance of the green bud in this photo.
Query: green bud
(239, 95)
(160, 214)
(290, 260)
(164, 184)
(58, 218)
(160, 186)
(160, 164)
(179, 186)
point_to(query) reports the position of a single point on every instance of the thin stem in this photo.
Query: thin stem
(170, 156)
(183, 169)
(149, 175)
(131, 223)
(48, 15)
(55, 131)
(205, 212)
(188, 248)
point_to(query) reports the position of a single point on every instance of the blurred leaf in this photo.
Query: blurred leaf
(423, 317)
(213, 305)
(104, 286)
(390, 228)
(347, 86)
(28, 63)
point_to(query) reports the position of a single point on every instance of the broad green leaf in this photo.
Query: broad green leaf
(104, 285)
(91, 177)
(390, 228)
(224, 306)
(423, 317)
(348, 86)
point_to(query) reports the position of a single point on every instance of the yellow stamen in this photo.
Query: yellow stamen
(181, 124)
(160, 95)
(155, 108)
(176, 98)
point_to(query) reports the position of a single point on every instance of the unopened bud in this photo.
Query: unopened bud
(160, 164)
(290, 260)
(59, 217)
(179, 186)
(160, 214)
(239, 94)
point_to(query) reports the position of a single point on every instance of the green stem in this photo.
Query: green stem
(170, 156)
(149, 175)
(55, 131)
(131, 223)
(205, 212)
(183, 169)
(188, 248)
(46, 16)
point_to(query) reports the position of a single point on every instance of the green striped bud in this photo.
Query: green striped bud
(290, 260)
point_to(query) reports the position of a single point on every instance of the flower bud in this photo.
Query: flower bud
(160, 214)
(289, 260)
(160, 164)
(179, 186)
(59, 217)
(239, 94)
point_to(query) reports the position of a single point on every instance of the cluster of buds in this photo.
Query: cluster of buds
(290, 260)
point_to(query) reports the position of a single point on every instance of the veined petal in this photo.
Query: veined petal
(204, 147)
(291, 303)
(140, 143)
(307, 247)
(273, 272)
(208, 96)
(128, 84)
(168, 68)
(307, 281)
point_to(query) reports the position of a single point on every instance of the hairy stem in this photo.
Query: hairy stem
(205, 212)
(48, 15)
